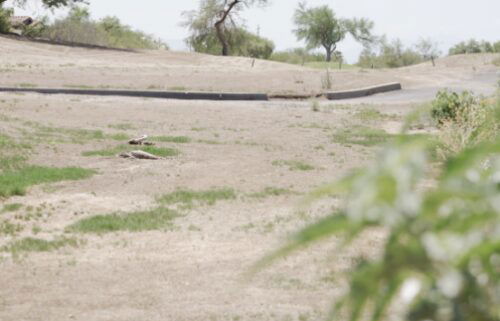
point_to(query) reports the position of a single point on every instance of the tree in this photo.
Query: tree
(6, 13)
(319, 27)
(385, 54)
(221, 16)
(428, 49)
(473, 46)
(215, 28)
(48, 3)
(4, 19)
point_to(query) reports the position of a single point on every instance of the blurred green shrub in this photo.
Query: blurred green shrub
(448, 105)
(441, 257)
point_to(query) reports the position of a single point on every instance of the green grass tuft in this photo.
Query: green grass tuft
(160, 151)
(190, 197)
(27, 85)
(8, 228)
(171, 139)
(294, 165)
(12, 153)
(371, 114)
(113, 151)
(271, 192)
(16, 182)
(361, 135)
(118, 136)
(156, 219)
(11, 207)
(38, 245)
(122, 126)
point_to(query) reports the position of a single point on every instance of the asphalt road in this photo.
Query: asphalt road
(481, 83)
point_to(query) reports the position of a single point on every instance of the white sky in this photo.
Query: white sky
(445, 21)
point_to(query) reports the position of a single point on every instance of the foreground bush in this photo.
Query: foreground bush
(472, 121)
(448, 106)
(441, 258)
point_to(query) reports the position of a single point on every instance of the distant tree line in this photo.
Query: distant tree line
(394, 54)
(78, 26)
(474, 46)
(216, 28)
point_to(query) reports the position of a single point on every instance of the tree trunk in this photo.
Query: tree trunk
(329, 51)
(219, 27)
(328, 55)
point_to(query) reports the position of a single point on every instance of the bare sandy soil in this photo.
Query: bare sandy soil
(27, 64)
(194, 270)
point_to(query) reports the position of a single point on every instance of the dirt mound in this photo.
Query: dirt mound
(35, 64)
(26, 63)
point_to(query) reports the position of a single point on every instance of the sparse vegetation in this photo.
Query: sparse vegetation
(4, 19)
(371, 114)
(448, 105)
(79, 27)
(160, 218)
(385, 54)
(474, 46)
(13, 170)
(11, 207)
(27, 85)
(115, 150)
(122, 126)
(190, 198)
(17, 181)
(361, 135)
(271, 192)
(315, 106)
(38, 245)
(49, 134)
(9, 229)
(441, 251)
(171, 139)
(297, 56)
(326, 80)
(464, 121)
(294, 165)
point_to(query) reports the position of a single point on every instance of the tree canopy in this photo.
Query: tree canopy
(222, 17)
(320, 27)
(216, 28)
(48, 3)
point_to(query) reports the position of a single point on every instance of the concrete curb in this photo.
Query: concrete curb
(337, 95)
(356, 93)
(144, 93)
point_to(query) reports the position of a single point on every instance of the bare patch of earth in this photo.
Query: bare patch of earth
(193, 271)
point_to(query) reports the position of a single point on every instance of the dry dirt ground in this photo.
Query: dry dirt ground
(193, 270)
(28, 64)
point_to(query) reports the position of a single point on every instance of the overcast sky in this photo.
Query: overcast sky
(445, 21)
